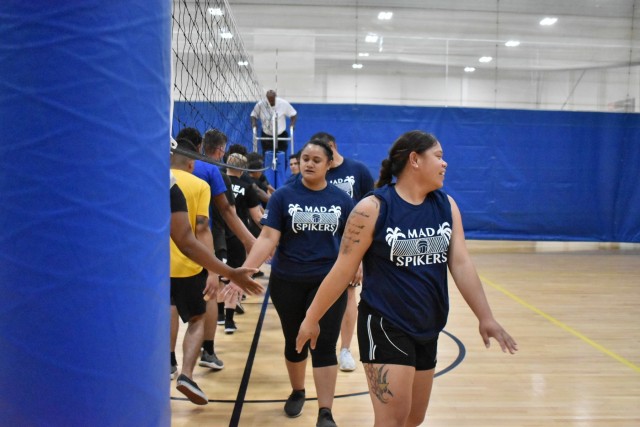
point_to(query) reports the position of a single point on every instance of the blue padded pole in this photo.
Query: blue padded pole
(84, 187)
(277, 177)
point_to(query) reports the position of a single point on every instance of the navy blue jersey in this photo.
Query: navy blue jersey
(293, 178)
(311, 224)
(405, 268)
(352, 177)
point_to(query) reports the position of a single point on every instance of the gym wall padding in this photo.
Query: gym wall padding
(516, 174)
(84, 223)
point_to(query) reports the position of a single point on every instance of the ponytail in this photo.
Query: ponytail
(385, 174)
(414, 141)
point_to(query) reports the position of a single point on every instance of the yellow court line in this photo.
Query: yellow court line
(562, 325)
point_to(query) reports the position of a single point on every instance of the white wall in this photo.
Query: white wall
(575, 90)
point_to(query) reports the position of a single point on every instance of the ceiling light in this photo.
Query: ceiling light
(371, 38)
(548, 21)
(363, 54)
(226, 35)
(485, 59)
(356, 66)
(385, 16)
(469, 69)
(215, 11)
(243, 63)
(512, 43)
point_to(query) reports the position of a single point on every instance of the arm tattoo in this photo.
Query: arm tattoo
(374, 201)
(351, 236)
(353, 229)
(378, 384)
(358, 212)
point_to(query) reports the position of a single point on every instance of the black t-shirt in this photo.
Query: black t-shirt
(263, 182)
(246, 178)
(178, 202)
(246, 198)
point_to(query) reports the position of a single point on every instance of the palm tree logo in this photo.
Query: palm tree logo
(444, 230)
(294, 208)
(337, 210)
(392, 235)
(351, 181)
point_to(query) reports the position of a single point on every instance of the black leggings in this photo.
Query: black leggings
(291, 300)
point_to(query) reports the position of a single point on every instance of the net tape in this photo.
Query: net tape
(197, 156)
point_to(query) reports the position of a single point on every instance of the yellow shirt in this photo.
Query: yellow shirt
(198, 195)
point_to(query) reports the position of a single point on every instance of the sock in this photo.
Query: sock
(208, 346)
(174, 362)
(220, 308)
(228, 313)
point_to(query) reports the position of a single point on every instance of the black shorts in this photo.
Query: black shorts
(381, 343)
(186, 295)
(236, 252)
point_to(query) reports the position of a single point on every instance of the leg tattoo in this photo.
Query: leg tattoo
(377, 378)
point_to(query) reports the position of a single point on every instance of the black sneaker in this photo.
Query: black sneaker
(230, 327)
(239, 308)
(210, 361)
(190, 389)
(220, 318)
(325, 419)
(258, 274)
(294, 404)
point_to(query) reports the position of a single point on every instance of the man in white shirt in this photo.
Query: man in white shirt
(265, 110)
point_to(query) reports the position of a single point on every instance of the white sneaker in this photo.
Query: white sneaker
(347, 363)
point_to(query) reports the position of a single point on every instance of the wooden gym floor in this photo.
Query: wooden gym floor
(572, 307)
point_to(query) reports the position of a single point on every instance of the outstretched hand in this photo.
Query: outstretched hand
(308, 331)
(492, 329)
(211, 288)
(241, 277)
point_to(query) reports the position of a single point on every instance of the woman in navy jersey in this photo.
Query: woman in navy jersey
(303, 223)
(407, 234)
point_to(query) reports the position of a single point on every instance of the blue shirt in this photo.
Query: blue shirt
(212, 175)
(405, 268)
(353, 177)
(311, 224)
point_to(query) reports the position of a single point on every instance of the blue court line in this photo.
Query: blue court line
(462, 352)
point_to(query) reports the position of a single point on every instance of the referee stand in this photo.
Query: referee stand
(277, 170)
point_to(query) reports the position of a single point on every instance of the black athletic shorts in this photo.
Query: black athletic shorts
(186, 295)
(236, 252)
(381, 343)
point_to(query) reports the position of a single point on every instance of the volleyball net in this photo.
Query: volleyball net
(214, 84)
